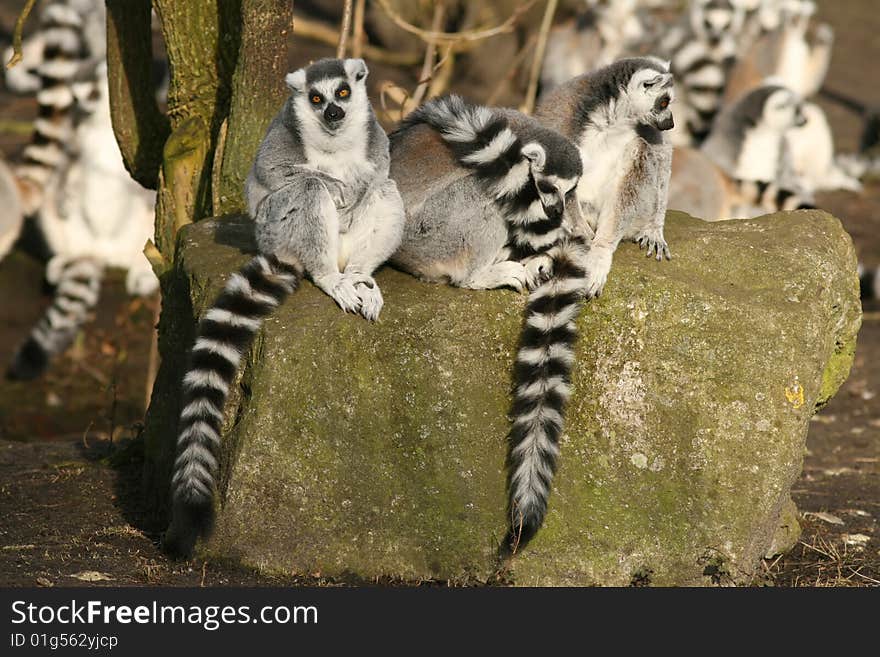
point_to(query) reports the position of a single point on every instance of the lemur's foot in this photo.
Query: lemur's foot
(538, 271)
(597, 265)
(341, 288)
(655, 245)
(371, 299)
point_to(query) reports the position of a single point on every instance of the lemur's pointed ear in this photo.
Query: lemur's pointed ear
(356, 68)
(296, 81)
(535, 153)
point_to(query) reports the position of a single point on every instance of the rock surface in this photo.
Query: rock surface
(362, 450)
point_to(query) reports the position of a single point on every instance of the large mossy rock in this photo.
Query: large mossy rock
(364, 450)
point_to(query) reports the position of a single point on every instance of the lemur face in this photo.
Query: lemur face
(329, 91)
(651, 94)
(554, 178)
(713, 19)
(783, 110)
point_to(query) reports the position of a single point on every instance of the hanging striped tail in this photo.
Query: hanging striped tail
(542, 376)
(869, 282)
(222, 338)
(78, 285)
(771, 196)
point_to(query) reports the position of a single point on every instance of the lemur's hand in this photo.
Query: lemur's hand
(336, 189)
(539, 269)
(655, 245)
(597, 265)
(371, 298)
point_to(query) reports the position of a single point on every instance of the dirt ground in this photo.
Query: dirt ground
(70, 460)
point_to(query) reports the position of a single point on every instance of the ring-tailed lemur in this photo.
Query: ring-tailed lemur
(785, 55)
(618, 117)
(90, 212)
(744, 168)
(485, 193)
(323, 204)
(786, 52)
(485, 188)
(701, 48)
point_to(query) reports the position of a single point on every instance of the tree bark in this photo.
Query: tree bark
(141, 128)
(258, 90)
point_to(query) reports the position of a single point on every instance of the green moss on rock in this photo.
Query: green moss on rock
(365, 450)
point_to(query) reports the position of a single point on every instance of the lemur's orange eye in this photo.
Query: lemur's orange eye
(316, 99)
(664, 104)
(343, 93)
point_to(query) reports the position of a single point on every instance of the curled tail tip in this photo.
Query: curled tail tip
(30, 361)
(520, 533)
(189, 523)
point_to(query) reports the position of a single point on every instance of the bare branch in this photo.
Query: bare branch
(357, 44)
(16, 34)
(345, 31)
(322, 33)
(529, 105)
(428, 63)
(432, 36)
(511, 71)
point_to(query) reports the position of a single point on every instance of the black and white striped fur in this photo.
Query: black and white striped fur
(494, 144)
(526, 169)
(869, 282)
(224, 335)
(71, 178)
(62, 59)
(77, 287)
(701, 49)
(771, 196)
(322, 205)
(542, 386)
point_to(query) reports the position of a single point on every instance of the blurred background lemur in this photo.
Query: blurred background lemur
(71, 179)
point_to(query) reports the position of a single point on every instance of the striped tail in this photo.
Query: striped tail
(869, 282)
(65, 64)
(223, 336)
(78, 285)
(771, 196)
(542, 376)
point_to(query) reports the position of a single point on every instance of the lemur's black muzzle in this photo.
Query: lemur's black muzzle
(667, 123)
(333, 113)
(554, 212)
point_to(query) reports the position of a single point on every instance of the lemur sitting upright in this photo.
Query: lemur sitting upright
(323, 205)
(618, 116)
(72, 181)
(744, 168)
